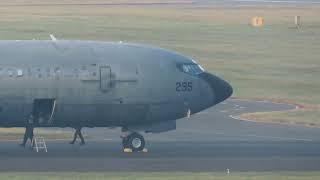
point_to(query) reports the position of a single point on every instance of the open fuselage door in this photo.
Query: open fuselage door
(105, 78)
(43, 111)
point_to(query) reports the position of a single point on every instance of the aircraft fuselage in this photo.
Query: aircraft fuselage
(100, 84)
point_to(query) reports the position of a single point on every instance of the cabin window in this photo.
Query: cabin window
(192, 69)
(57, 69)
(89, 73)
(84, 73)
(38, 72)
(57, 73)
(93, 71)
(19, 73)
(10, 72)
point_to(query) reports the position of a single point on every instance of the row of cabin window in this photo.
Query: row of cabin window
(46, 72)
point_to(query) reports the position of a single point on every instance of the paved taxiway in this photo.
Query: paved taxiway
(209, 141)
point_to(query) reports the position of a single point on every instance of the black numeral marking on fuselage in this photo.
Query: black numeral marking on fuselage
(183, 86)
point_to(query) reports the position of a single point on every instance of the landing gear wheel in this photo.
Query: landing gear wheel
(135, 142)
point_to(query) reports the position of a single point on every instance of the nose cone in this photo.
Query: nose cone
(221, 89)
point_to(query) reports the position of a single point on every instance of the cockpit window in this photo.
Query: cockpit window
(192, 69)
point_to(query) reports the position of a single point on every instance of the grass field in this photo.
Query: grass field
(161, 176)
(18, 133)
(276, 61)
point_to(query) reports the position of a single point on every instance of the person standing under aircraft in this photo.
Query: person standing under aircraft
(29, 131)
(41, 118)
(76, 134)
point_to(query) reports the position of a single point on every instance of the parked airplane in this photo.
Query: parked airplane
(102, 84)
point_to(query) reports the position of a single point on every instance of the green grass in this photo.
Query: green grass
(272, 62)
(18, 133)
(161, 176)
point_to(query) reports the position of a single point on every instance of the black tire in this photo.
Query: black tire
(136, 142)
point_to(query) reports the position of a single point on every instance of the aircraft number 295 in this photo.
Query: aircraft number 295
(183, 86)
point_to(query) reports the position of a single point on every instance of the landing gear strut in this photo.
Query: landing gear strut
(133, 141)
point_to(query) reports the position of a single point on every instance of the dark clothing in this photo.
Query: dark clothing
(28, 133)
(76, 134)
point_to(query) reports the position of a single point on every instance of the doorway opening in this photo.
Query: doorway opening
(43, 110)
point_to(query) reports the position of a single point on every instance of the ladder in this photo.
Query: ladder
(39, 143)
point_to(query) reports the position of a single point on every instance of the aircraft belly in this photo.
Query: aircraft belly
(13, 112)
(100, 114)
(167, 111)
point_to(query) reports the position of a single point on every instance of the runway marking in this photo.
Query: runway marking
(273, 137)
(267, 101)
(201, 113)
(220, 133)
(224, 111)
(280, 1)
(107, 139)
(259, 136)
(276, 137)
(10, 140)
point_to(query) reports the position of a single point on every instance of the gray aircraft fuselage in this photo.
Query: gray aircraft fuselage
(101, 84)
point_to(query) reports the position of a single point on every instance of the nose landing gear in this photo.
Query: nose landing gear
(133, 141)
